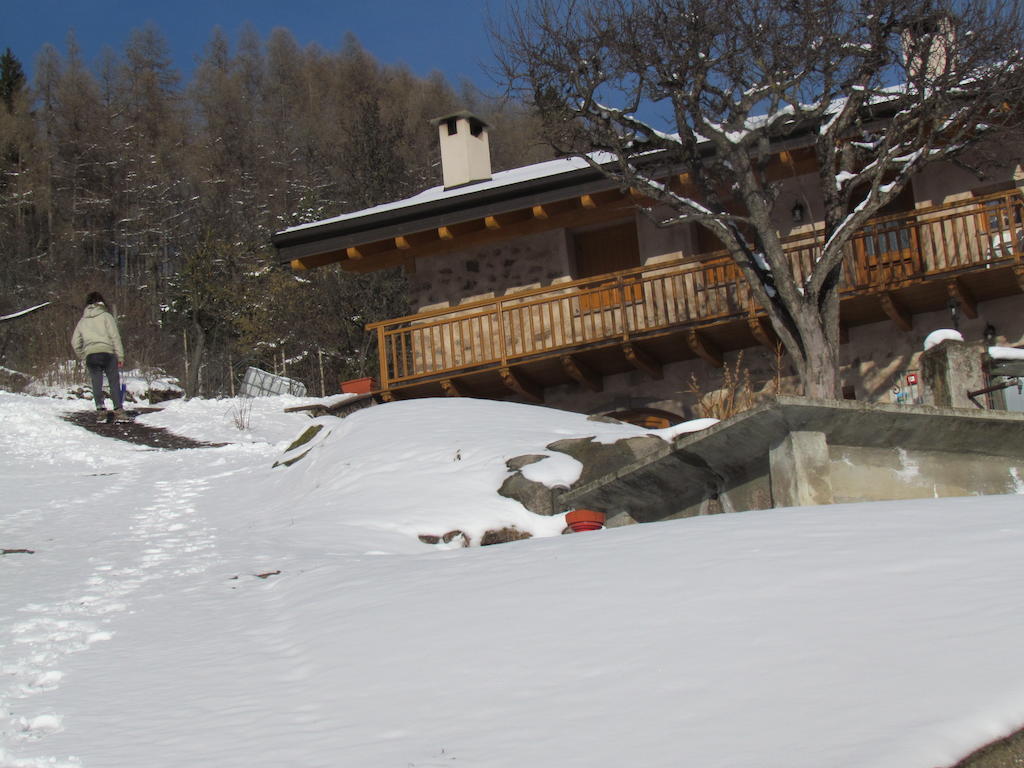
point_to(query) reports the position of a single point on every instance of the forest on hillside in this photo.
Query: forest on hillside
(119, 176)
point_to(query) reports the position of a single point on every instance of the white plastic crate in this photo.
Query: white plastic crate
(257, 383)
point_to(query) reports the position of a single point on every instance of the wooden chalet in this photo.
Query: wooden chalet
(549, 284)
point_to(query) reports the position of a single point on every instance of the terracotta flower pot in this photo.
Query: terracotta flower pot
(584, 520)
(359, 386)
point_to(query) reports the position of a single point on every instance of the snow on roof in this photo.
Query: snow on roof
(498, 180)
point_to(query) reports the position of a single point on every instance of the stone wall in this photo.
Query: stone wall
(496, 269)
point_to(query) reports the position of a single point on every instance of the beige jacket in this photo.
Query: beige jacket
(97, 332)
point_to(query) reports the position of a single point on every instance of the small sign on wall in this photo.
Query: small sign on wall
(906, 390)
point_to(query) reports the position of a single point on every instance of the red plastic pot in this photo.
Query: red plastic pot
(359, 386)
(584, 520)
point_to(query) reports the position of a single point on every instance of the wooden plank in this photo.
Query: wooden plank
(704, 348)
(643, 360)
(521, 384)
(959, 291)
(896, 311)
(582, 373)
(353, 253)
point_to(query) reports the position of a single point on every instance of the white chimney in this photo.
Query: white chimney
(928, 44)
(465, 153)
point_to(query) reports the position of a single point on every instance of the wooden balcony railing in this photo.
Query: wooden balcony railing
(892, 251)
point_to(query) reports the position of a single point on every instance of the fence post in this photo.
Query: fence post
(382, 359)
(501, 334)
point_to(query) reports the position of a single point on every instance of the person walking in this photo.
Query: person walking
(97, 342)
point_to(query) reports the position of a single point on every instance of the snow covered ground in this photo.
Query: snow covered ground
(197, 607)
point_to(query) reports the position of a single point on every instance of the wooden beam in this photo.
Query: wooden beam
(387, 396)
(492, 223)
(704, 348)
(587, 201)
(452, 388)
(959, 291)
(762, 331)
(643, 360)
(298, 264)
(640, 199)
(514, 224)
(1019, 272)
(539, 212)
(461, 229)
(582, 373)
(353, 253)
(521, 385)
(402, 243)
(896, 311)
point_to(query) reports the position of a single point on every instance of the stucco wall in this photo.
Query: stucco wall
(876, 359)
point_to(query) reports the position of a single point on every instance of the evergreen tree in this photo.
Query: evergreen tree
(12, 79)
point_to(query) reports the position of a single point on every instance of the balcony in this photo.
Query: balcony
(643, 318)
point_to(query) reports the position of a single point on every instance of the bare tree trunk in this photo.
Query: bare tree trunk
(195, 359)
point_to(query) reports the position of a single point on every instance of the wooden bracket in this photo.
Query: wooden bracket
(959, 291)
(452, 388)
(705, 349)
(643, 360)
(762, 332)
(521, 385)
(896, 312)
(581, 372)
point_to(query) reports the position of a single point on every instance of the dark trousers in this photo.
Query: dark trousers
(100, 363)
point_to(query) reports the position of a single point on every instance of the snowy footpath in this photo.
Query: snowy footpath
(196, 607)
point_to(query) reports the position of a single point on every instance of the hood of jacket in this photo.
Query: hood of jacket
(93, 310)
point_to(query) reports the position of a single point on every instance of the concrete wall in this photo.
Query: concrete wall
(796, 452)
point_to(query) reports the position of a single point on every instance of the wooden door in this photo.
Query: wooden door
(888, 252)
(604, 251)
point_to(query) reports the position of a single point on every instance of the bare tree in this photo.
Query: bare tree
(878, 88)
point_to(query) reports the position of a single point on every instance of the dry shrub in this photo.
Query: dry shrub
(734, 396)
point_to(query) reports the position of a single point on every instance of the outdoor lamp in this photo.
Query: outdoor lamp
(797, 212)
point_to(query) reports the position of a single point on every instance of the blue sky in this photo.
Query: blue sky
(447, 35)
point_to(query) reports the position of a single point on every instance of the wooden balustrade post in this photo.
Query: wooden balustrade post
(382, 359)
(621, 288)
(502, 353)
